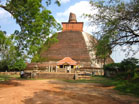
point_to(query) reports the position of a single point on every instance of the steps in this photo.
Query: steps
(81, 76)
(84, 77)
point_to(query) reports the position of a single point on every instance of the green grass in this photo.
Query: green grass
(124, 86)
(19, 78)
(8, 77)
(95, 79)
(128, 87)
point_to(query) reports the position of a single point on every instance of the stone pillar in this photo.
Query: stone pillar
(99, 72)
(69, 69)
(52, 69)
(56, 68)
(49, 69)
(65, 70)
(75, 76)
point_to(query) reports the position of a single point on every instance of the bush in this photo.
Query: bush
(18, 65)
(13, 65)
(127, 69)
(112, 67)
(110, 70)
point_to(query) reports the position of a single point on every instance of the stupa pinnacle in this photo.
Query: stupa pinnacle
(72, 24)
(72, 17)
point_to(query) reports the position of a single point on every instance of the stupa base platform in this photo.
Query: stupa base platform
(50, 75)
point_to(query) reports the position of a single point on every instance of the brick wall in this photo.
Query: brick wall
(72, 26)
(9, 73)
(55, 76)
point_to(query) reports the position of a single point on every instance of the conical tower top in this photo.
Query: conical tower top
(72, 24)
(72, 17)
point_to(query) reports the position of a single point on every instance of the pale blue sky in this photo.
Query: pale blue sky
(61, 14)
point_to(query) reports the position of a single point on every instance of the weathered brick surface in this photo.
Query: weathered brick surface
(70, 44)
(9, 73)
(40, 65)
(72, 26)
(55, 76)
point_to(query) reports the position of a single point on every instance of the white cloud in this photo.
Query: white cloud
(64, 1)
(80, 8)
(4, 14)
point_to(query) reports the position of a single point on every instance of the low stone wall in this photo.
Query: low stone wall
(55, 75)
(94, 71)
(9, 73)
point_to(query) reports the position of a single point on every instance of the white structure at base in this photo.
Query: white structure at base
(89, 40)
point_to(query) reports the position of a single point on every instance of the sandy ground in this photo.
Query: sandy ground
(59, 92)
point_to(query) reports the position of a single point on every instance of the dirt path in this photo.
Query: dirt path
(59, 92)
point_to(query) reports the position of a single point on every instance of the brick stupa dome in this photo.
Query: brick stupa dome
(73, 43)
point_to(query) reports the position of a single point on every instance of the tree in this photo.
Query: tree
(35, 21)
(103, 50)
(127, 69)
(9, 56)
(129, 65)
(4, 50)
(17, 64)
(118, 21)
(36, 24)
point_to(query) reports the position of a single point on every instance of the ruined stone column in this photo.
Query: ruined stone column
(52, 70)
(56, 68)
(49, 69)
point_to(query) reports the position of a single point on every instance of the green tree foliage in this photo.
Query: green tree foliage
(118, 21)
(9, 57)
(127, 69)
(115, 67)
(129, 65)
(125, 75)
(36, 24)
(35, 21)
(103, 50)
(3, 49)
(17, 64)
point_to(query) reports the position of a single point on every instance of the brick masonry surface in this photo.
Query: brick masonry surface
(70, 44)
(55, 76)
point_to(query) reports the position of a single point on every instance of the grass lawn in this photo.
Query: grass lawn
(124, 86)
(96, 79)
(8, 77)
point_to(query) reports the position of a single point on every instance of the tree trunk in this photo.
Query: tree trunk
(103, 67)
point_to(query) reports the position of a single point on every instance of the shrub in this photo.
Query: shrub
(18, 65)
(127, 69)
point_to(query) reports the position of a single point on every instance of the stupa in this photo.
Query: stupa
(72, 43)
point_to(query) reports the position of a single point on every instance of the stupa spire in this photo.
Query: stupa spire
(72, 24)
(72, 17)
